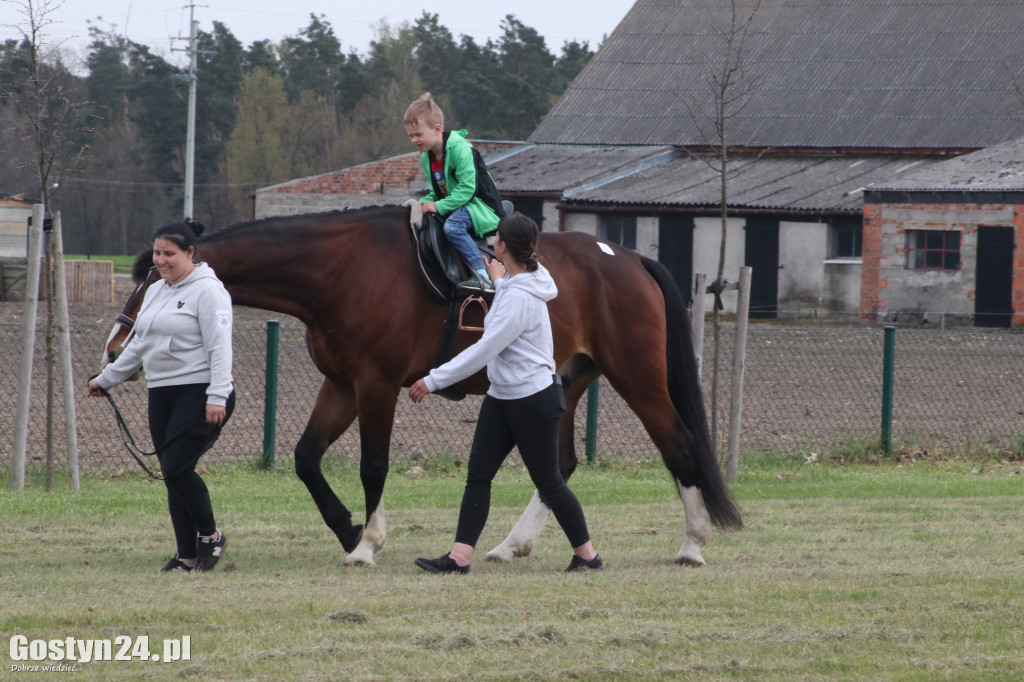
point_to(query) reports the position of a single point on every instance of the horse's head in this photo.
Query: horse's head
(144, 275)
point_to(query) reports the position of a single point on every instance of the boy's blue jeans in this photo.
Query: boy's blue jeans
(458, 227)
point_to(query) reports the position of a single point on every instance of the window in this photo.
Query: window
(845, 239)
(933, 250)
(619, 229)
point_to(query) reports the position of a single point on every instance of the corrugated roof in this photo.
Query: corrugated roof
(827, 73)
(796, 183)
(552, 168)
(999, 168)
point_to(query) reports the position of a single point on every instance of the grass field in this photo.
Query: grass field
(859, 572)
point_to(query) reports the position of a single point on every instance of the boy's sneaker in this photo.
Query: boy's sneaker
(578, 563)
(176, 565)
(474, 285)
(209, 551)
(444, 564)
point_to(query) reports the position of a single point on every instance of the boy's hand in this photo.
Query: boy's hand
(429, 207)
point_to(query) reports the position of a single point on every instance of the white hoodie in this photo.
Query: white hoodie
(516, 346)
(182, 336)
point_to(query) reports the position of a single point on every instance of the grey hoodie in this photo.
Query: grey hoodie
(182, 336)
(516, 346)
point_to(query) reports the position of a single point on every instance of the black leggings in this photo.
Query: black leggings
(531, 423)
(177, 424)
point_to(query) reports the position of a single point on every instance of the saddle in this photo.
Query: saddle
(442, 268)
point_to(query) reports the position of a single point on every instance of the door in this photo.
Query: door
(993, 285)
(761, 252)
(675, 249)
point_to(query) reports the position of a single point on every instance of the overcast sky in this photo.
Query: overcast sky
(157, 22)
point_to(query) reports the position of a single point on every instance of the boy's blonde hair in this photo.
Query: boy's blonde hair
(424, 110)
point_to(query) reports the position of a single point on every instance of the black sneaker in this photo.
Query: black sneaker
(444, 564)
(209, 551)
(176, 565)
(578, 563)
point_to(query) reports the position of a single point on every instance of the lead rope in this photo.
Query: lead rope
(129, 440)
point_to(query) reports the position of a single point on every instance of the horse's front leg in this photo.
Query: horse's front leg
(376, 406)
(335, 410)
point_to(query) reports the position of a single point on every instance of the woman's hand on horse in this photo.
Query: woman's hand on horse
(418, 391)
(215, 414)
(429, 207)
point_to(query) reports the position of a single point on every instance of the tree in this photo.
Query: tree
(219, 67)
(45, 93)
(312, 61)
(731, 78)
(527, 79)
(274, 140)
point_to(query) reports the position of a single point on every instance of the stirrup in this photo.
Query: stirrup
(462, 309)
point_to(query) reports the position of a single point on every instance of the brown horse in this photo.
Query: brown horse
(372, 328)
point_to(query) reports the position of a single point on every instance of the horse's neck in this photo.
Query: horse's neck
(255, 278)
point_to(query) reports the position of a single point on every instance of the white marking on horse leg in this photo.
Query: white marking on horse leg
(524, 534)
(110, 337)
(374, 535)
(698, 526)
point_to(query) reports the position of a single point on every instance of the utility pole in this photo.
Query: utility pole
(190, 140)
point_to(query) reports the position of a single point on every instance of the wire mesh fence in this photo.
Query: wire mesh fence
(805, 389)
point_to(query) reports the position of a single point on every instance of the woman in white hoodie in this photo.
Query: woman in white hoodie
(182, 339)
(524, 402)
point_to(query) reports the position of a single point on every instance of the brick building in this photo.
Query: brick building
(941, 244)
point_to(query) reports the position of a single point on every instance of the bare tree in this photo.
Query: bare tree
(41, 87)
(730, 79)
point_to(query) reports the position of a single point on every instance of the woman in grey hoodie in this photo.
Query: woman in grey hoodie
(524, 402)
(182, 339)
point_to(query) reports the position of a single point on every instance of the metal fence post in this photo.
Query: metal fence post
(270, 395)
(888, 366)
(591, 448)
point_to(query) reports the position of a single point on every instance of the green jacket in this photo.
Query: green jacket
(460, 173)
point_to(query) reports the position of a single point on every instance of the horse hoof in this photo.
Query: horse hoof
(360, 558)
(690, 562)
(496, 558)
(354, 537)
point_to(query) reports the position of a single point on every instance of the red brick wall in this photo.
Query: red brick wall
(396, 172)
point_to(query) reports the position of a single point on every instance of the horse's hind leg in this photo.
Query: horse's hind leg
(523, 536)
(642, 383)
(335, 410)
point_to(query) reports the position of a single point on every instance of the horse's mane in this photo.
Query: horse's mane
(140, 268)
(300, 220)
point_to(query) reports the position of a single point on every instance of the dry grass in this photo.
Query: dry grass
(882, 572)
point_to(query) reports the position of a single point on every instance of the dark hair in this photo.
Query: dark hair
(519, 233)
(182, 232)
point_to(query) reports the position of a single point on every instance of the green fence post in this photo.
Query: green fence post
(592, 392)
(888, 366)
(270, 395)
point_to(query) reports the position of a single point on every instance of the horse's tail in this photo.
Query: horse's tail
(684, 389)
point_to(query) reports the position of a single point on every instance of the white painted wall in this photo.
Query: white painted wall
(707, 240)
(803, 248)
(647, 236)
(582, 222)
